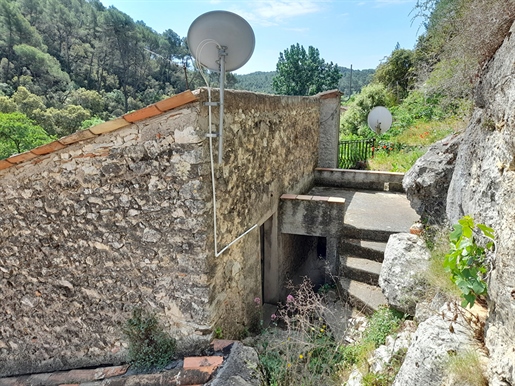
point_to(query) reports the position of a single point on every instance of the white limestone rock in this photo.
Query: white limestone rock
(406, 257)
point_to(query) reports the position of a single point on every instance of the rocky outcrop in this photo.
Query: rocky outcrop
(242, 368)
(405, 258)
(438, 338)
(426, 183)
(483, 186)
(381, 357)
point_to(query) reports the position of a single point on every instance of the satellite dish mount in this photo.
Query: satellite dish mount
(220, 41)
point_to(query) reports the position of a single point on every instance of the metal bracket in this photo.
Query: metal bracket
(211, 103)
(212, 135)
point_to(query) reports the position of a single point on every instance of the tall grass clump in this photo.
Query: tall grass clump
(465, 368)
(303, 350)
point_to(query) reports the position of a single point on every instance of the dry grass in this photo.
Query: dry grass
(466, 368)
(436, 276)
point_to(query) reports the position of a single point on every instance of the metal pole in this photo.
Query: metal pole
(222, 54)
(350, 83)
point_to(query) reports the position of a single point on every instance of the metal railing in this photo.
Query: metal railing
(354, 154)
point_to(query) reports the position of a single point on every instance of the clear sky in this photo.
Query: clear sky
(357, 32)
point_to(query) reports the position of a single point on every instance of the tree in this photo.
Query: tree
(18, 134)
(355, 118)
(304, 73)
(396, 73)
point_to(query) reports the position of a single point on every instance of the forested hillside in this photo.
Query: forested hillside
(262, 81)
(68, 64)
(66, 61)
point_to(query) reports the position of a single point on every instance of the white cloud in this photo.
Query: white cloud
(283, 9)
(271, 13)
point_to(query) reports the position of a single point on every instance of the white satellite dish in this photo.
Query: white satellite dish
(221, 41)
(379, 120)
(221, 29)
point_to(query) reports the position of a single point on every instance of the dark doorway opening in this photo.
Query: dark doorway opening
(305, 256)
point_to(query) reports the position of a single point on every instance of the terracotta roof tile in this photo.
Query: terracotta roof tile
(48, 148)
(5, 164)
(76, 137)
(141, 114)
(176, 101)
(109, 126)
(106, 127)
(17, 158)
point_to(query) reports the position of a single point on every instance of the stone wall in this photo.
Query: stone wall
(271, 148)
(125, 220)
(483, 186)
(96, 229)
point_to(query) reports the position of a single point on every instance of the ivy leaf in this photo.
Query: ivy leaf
(479, 287)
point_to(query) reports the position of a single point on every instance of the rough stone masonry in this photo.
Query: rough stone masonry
(124, 220)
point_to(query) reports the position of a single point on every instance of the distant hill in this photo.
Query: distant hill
(360, 78)
(257, 81)
(261, 81)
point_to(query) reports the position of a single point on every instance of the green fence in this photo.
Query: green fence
(354, 154)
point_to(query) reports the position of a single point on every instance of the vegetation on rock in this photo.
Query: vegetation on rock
(467, 261)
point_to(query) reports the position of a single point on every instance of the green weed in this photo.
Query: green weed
(150, 347)
(305, 352)
(466, 262)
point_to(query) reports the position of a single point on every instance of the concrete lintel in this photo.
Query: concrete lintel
(311, 217)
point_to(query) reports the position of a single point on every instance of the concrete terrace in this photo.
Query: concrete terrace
(373, 210)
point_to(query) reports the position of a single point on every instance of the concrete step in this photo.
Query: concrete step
(350, 232)
(359, 269)
(364, 297)
(367, 249)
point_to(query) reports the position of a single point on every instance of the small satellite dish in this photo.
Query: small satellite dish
(221, 29)
(379, 120)
(221, 41)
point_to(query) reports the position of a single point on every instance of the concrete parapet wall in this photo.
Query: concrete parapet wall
(359, 179)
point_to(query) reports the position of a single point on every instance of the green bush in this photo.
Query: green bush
(150, 347)
(382, 323)
(466, 262)
(356, 116)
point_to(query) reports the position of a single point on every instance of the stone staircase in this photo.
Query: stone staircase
(360, 266)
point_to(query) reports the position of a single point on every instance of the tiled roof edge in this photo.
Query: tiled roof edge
(153, 110)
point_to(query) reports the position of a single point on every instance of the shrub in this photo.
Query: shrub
(356, 116)
(150, 347)
(467, 262)
(382, 323)
(306, 353)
